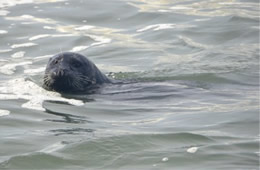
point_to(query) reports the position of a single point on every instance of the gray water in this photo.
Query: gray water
(190, 97)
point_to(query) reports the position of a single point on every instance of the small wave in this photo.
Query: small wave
(5, 50)
(18, 161)
(83, 28)
(79, 48)
(42, 57)
(3, 32)
(39, 37)
(4, 112)
(53, 147)
(181, 8)
(23, 45)
(158, 27)
(100, 40)
(189, 42)
(49, 27)
(31, 18)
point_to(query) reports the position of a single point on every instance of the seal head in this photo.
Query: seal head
(72, 72)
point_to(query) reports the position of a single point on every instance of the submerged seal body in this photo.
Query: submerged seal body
(72, 72)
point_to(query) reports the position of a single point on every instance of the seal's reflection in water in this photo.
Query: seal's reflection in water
(63, 117)
(72, 131)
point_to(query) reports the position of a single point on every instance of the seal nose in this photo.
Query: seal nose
(60, 72)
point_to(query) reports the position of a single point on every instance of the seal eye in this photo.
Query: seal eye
(55, 62)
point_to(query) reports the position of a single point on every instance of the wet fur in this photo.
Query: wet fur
(71, 72)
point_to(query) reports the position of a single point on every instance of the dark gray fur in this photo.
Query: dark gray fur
(72, 72)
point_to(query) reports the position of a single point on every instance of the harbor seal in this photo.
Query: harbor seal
(70, 72)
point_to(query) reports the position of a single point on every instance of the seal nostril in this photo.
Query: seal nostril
(60, 72)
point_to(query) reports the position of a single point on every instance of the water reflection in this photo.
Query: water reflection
(63, 117)
(72, 131)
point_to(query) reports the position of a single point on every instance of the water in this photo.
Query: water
(190, 97)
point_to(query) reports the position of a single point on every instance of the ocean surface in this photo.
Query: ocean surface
(189, 98)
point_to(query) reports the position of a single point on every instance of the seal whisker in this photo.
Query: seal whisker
(77, 85)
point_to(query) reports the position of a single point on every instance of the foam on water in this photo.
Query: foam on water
(4, 112)
(28, 90)
(165, 159)
(34, 71)
(3, 32)
(192, 150)
(19, 54)
(11, 68)
(4, 12)
(23, 45)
